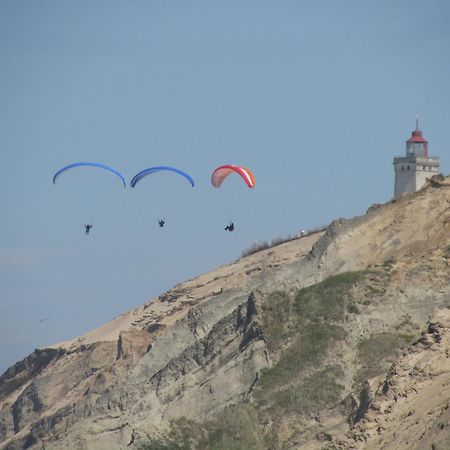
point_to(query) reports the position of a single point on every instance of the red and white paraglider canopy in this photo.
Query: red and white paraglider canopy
(222, 172)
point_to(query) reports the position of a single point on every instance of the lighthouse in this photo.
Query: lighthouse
(413, 169)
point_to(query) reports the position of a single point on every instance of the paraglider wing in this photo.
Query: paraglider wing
(223, 171)
(151, 170)
(90, 164)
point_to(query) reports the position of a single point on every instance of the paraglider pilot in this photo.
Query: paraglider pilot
(161, 223)
(230, 227)
(87, 228)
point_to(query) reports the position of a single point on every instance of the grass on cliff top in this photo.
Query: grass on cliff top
(258, 246)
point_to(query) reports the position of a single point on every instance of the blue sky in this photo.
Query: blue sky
(316, 97)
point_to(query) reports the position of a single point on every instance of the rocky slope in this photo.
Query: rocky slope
(334, 340)
(410, 407)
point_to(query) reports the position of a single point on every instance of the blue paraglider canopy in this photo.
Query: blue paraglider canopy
(151, 170)
(90, 164)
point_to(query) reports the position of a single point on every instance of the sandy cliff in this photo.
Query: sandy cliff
(331, 340)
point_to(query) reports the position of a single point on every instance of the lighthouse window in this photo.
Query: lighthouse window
(408, 167)
(403, 167)
(423, 167)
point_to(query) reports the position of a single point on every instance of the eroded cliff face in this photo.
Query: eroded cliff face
(286, 347)
(409, 407)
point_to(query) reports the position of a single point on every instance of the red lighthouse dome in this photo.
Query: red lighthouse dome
(417, 145)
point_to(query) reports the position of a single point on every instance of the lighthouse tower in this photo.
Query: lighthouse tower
(413, 169)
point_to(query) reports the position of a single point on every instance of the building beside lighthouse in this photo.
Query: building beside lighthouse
(413, 169)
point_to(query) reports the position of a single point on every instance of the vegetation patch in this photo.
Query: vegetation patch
(377, 352)
(263, 245)
(352, 308)
(308, 327)
(236, 428)
(308, 349)
(375, 290)
(389, 263)
(447, 252)
(407, 338)
(325, 301)
(162, 444)
(311, 394)
(255, 247)
(277, 319)
(300, 331)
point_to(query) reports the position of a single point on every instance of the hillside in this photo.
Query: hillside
(335, 340)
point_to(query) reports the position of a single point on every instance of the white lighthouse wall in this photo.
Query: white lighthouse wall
(411, 173)
(422, 175)
(405, 180)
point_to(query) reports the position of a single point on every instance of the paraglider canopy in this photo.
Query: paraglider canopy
(151, 170)
(219, 175)
(90, 164)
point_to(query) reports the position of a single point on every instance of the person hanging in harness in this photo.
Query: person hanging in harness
(161, 223)
(87, 228)
(229, 227)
